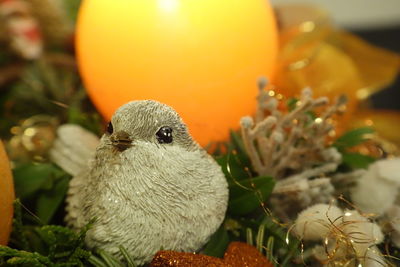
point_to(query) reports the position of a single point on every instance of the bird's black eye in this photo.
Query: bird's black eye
(110, 128)
(164, 135)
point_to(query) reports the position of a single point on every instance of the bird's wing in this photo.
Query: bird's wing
(73, 148)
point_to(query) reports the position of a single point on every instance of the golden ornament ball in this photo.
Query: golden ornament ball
(203, 58)
(6, 197)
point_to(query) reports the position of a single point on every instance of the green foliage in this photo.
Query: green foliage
(49, 245)
(49, 201)
(41, 187)
(236, 144)
(218, 243)
(291, 103)
(233, 167)
(128, 259)
(247, 195)
(235, 164)
(54, 245)
(42, 86)
(104, 259)
(352, 138)
(272, 239)
(72, 7)
(356, 160)
(47, 89)
(90, 121)
(349, 140)
(246, 192)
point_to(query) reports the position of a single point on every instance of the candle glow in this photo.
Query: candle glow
(203, 58)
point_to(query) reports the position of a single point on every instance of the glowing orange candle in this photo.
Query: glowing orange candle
(202, 57)
(6, 197)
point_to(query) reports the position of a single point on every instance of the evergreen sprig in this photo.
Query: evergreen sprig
(49, 245)
(104, 259)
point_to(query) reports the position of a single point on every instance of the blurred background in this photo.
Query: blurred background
(358, 15)
(377, 22)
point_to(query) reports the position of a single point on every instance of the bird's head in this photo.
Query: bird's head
(148, 121)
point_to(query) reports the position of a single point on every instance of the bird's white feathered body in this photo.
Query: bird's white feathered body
(150, 196)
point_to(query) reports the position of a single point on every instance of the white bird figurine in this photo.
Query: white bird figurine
(149, 187)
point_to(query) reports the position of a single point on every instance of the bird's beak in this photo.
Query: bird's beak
(121, 140)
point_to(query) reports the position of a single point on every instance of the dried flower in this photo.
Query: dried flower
(314, 223)
(393, 215)
(362, 231)
(291, 146)
(377, 190)
(348, 238)
(280, 143)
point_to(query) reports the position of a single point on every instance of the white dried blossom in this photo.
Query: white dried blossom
(339, 256)
(307, 92)
(394, 215)
(362, 231)
(377, 190)
(394, 219)
(388, 169)
(363, 235)
(314, 223)
(278, 137)
(332, 154)
(373, 258)
(292, 147)
(323, 193)
(278, 143)
(247, 122)
(272, 104)
(345, 236)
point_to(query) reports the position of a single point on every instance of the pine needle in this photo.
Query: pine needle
(109, 259)
(270, 249)
(260, 238)
(97, 262)
(129, 260)
(249, 236)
